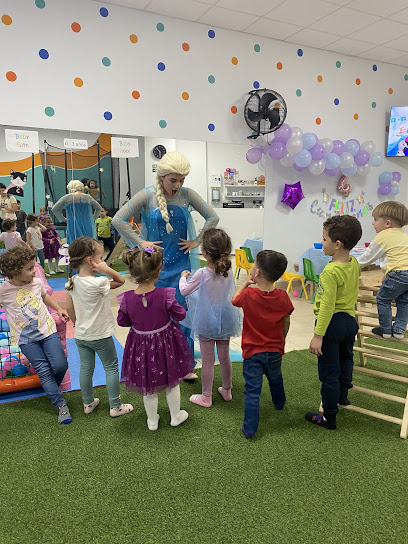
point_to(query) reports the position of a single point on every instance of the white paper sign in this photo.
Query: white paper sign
(70, 143)
(124, 147)
(22, 141)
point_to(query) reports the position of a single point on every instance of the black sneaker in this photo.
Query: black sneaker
(319, 420)
(379, 332)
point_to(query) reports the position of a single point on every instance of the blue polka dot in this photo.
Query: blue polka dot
(375, 68)
(336, 101)
(108, 116)
(211, 127)
(104, 12)
(300, 52)
(211, 34)
(43, 53)
(161, 66)
(256, 84)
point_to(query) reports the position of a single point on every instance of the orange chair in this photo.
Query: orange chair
(241, 262)
(290, 277)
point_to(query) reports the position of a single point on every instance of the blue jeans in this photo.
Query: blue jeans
(394, 287)
(48, 358)
(336, 364)
(268, 363)
(40, 254)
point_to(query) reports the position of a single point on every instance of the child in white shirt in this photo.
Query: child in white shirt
(34, 237)
(10, 236)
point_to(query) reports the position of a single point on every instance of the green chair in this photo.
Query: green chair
(248, 256)
(310, 275)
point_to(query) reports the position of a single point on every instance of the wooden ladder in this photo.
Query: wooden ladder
(120, 247)
(367, 351)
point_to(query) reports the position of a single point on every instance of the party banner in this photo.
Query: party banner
(329, 206)
(125, 147)
(22, 141)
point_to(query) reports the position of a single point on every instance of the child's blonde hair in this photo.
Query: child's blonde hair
(217, 244)
(78, 251)
(395, 211)
(173, 162)
(144, 264)
(14, 259)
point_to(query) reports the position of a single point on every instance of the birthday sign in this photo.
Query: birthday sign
(22, 141)
(125, 148)
(356, 207)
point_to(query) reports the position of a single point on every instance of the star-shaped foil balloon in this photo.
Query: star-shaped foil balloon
(292, 195)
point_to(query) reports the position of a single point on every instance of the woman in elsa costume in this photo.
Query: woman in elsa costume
(167, 223)
(81, 209)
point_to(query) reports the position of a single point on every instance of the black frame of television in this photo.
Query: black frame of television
(397, 140)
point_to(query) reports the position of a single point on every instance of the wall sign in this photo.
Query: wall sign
(124, 148)
(70, 143)
(22, 141)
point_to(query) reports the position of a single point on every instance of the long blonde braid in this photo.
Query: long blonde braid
(173, 162)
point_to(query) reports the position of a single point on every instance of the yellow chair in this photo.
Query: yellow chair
(241, 262)
(290, 277)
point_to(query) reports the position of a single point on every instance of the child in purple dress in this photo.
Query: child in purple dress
(157, 356)
(52, 242)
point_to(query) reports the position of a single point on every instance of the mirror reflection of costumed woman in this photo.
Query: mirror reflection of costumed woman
(167, 223)
(81, 211)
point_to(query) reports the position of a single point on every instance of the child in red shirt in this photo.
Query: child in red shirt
(266, 324)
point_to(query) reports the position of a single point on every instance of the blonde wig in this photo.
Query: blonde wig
(75, 185)
(173, 162)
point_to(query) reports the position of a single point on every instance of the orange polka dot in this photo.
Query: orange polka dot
(185, 96)
(133, 38)
(318, 121)
(136, 95)
(319, 79)
(390, 91)
(185, 46)
(6, 20)
(279, 66)
(358, 81)
(78, 82)
(355, 116)
(76, 27)
(234, 109)
(234, 60)
(11, 76)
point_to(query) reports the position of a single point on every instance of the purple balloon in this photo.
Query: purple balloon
(254, 155)
(396, 176)
(277, 150)
(338, 147)
(385, 189)
(299, 168)
(317, 152)
(361, 158)
(333, 172)
(283, 133)
(292, 195)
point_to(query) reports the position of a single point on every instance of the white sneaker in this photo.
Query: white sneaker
(51, 272)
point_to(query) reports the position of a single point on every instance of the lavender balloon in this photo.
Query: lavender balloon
(385, 189)
(277, 150)
(361, 158)
(299, 168)
(283, 133)
(338, 147)
(317, 152)
(254, 155)
(332, 172)
(396, 176)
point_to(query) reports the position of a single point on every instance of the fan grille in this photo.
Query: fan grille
(265, 111)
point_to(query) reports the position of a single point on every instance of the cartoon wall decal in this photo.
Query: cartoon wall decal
(18, 180)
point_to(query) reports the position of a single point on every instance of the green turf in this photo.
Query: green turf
(102, 480)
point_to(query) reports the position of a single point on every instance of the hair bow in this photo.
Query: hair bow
(149, 250)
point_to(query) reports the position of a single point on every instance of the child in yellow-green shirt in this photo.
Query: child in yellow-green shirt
(334, 307)
(390, 246)
(103, 230)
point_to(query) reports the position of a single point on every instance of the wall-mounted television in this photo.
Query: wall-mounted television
(398, 132)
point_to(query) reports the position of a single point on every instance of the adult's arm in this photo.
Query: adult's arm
(95, 205)
(122, 217)
(61, 203)
(204, 209)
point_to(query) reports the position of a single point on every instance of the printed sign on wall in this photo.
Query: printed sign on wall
(125, 148)
(22, 141)
(70, 143)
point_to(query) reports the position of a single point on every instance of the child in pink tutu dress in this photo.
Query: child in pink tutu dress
(52, 242)
(157, 356)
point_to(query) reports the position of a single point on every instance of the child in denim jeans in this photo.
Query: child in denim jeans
(266, 324)
(390, 246)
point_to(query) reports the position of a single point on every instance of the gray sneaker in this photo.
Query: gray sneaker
(63, 414)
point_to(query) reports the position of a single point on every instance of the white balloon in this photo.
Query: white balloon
(298, 132)
(294, 145)
(327, 144)
(262, 164)
(316, 167)
(394, 183)
(346, 160)
(368, 146)
(363, 170)
(288, 160)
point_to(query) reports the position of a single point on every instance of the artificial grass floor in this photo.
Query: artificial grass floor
(102, 480)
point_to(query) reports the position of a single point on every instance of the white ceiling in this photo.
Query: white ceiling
(369, 29)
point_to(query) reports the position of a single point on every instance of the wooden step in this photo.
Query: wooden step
(379, 394)
(380, 374)
(371, 413)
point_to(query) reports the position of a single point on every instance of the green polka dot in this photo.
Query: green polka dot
(338, 64)
(49, 111)
(160, 27)
(162, 123)
(106, 61)
(40, 4)
(211, 79)
(406, 77)
(257, 47)
(298, 92)
(373, 104)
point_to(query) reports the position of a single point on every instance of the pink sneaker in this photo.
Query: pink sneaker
(225, 394)
(201, 400)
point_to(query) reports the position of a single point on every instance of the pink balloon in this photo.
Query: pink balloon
(277, 150)
(317, 152)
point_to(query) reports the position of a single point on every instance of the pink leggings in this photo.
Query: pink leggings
(208, 357)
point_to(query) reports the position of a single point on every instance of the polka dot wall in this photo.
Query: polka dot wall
(113, 69)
